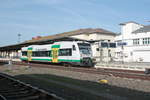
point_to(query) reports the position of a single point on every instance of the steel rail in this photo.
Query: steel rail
(12, 89)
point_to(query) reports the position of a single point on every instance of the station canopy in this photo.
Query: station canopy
(66, 36)
(38, 42)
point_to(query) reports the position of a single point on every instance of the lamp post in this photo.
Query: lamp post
(19, 37)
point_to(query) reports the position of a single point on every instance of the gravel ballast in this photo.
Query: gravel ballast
(135, 85)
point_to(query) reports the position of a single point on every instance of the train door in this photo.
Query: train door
(55, 49)
(29, 54)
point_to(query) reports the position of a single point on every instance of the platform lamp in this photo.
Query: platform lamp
(19, 37)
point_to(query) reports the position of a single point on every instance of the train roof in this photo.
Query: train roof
(49, 45)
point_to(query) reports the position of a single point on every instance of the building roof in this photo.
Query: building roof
(75, 32)
(124, 23)
(24, 44)
(143, 29)
(58, 37)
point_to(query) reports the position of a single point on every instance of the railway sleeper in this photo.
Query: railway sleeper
(10, 85)
(1, 78)
(21, 95)
(8, 89)
(8, 82)
(36, 97)
(14, 92)
(4, 87)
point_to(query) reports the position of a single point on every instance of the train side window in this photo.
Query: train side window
(24, 53)
(32, 54)
(41, 53)
(50, 53)
(65, 52)
(73, 47)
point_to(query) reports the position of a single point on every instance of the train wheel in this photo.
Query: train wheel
(24, 61)
(67, 65)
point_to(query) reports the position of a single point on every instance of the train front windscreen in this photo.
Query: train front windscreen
(84, 48)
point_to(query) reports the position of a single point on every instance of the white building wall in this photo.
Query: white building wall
(81, 36)
(92, 37)
(95, 36)
(131, 52)
(127, 29)
(105, 37)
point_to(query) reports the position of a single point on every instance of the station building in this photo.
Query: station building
(133, 44)
(94, 36)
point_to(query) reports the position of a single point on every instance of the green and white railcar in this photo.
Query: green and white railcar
(77, 53)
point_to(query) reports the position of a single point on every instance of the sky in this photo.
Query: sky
(32, 18)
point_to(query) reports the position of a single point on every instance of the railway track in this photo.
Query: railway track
(117, 73)
(12, 89)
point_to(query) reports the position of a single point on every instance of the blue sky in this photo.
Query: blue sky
(46, 17)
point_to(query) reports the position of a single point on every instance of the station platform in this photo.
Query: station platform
(139, 66)
(8, 59)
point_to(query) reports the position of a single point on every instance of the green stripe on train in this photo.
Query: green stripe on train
(24, 58)
(55, 46)
(29, 48)
(41, 59)
(67, 60)
(60, 60)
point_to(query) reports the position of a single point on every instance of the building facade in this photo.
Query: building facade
(133, 44)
